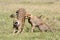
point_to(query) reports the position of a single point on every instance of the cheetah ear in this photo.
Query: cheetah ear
(17, 11)
(40, 16)
(12, 16)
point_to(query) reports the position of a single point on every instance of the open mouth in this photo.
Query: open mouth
(16, 23)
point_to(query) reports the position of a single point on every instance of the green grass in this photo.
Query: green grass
(47, 9)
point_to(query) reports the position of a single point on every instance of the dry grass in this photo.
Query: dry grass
(49, 10)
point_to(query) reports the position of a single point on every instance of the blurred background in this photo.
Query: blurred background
(50, 9)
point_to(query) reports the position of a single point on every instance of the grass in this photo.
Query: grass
(49, 10)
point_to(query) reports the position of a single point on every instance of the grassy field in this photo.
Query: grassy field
(49, 9)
